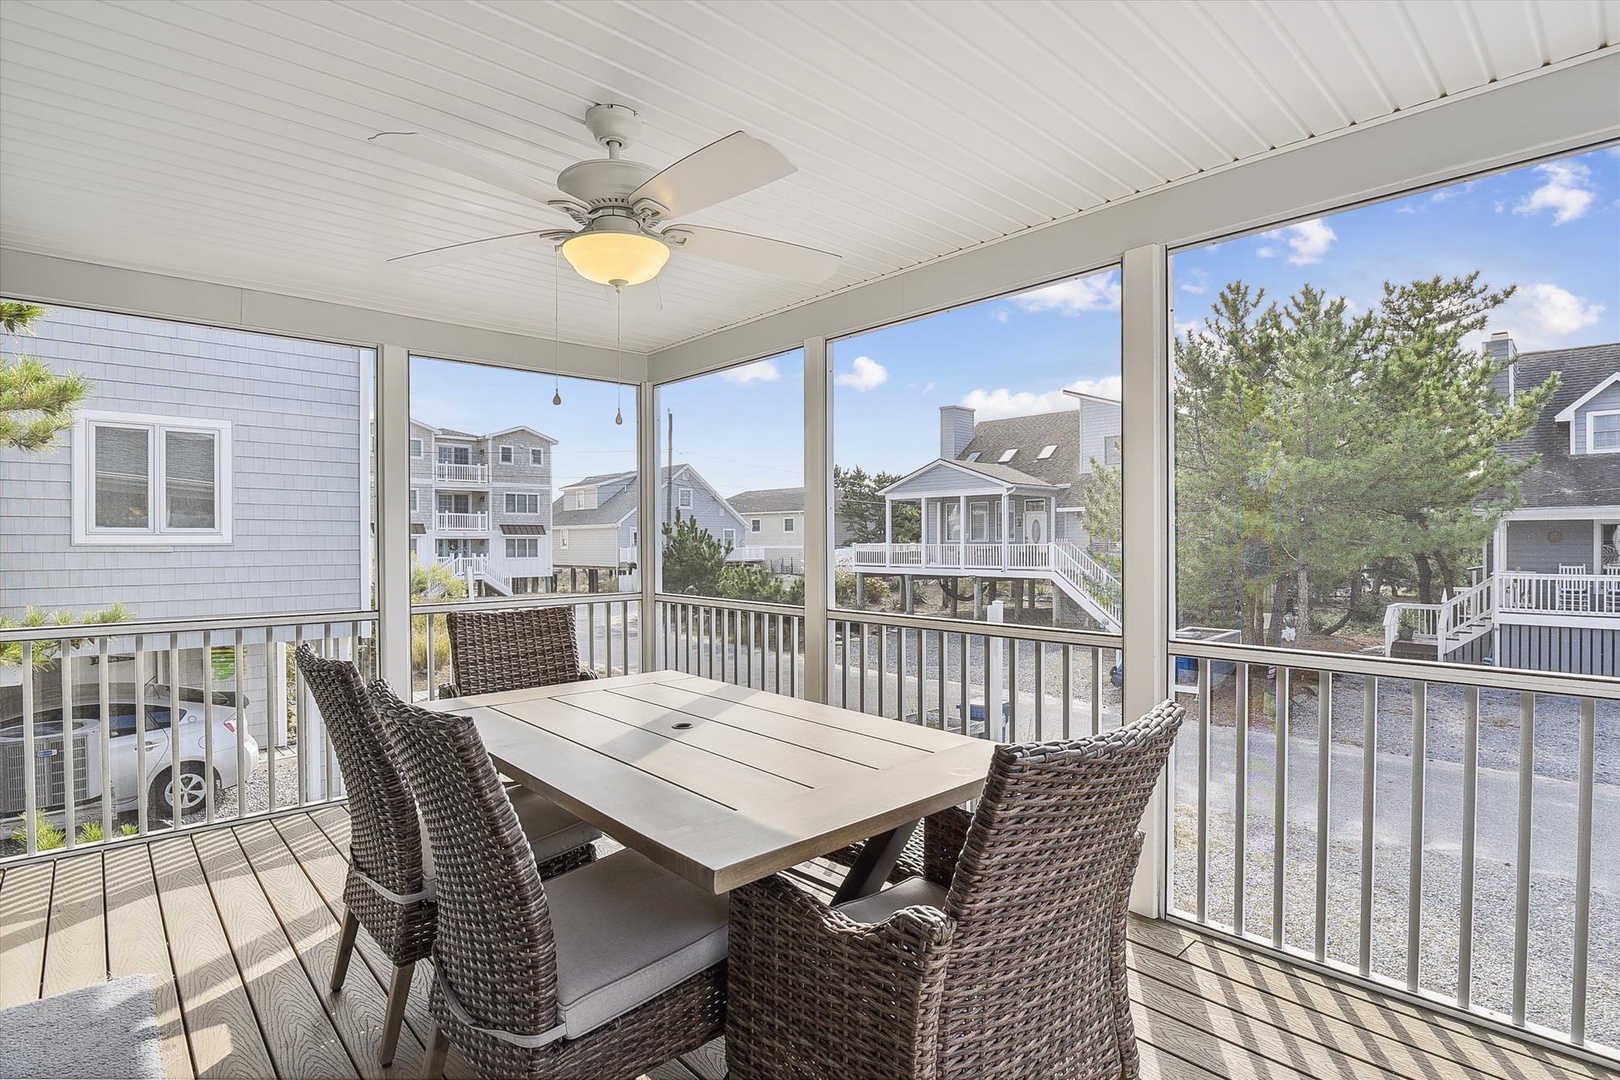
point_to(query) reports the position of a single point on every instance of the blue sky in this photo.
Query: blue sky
(1553, 230)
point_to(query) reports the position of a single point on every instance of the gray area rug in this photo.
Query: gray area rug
(105, 1030)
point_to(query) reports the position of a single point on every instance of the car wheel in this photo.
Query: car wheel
(193, 791)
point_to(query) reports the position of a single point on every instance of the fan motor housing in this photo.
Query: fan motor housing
(604, 181)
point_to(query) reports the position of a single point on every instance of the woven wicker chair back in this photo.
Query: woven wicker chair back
(493, 651)
(385, 840)
(495, 946)
(1039, 897)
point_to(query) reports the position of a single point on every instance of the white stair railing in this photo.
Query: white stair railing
(1465, 617)
(1091, 583)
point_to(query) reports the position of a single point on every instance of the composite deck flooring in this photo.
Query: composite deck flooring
(238, 926)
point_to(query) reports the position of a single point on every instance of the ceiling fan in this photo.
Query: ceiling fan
(623, 208)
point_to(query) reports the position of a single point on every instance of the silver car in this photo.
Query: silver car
(121, 771)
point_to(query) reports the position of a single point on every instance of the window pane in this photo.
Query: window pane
(188, 477)
(973, 475)
(1605, 431)
(735, 482)
(122, 471)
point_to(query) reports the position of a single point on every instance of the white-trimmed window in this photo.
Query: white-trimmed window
(413, 500)
(1603, 432)
(522, 504)
(506, 455)
(1034, 506)
(522, 547)
(787, 524)
(683, 498)
(1046, 452)
(416, 448)
(755, 525)
(562, 538)
(973, 456)
(728, 537)
(151, 480)
(537, 455)
(1007, 455)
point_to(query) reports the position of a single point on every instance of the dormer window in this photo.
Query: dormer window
(1046, 452)
(1007, 455)
(1603, 432)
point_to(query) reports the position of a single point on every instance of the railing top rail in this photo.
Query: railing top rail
(181, 626)
(735, 605)
(964, 626)
(1537, 682)
(503, 602)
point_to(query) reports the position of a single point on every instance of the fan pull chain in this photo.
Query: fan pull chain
(618, 349)
(556, 332)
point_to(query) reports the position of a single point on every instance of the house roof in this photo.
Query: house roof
(998, 474)
(768, 501)
(1029, 435)
(1559, 478)
(454, 434)
(521, 428)
(623, 503)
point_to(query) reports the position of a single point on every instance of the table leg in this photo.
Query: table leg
(873, 864)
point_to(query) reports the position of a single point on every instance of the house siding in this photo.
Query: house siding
(299, 470)
(1576, 650)
(588, 546)
(1098, 424)
(1530, 549)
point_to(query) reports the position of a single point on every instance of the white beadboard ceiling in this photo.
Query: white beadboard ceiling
(226, 142)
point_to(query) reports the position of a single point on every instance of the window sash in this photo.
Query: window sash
(787, 524)
(1605, 438)
(506, 455)
(537, 455)
(173, 479)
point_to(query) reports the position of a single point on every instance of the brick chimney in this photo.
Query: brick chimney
(955, 430)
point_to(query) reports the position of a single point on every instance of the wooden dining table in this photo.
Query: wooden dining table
(722, 784)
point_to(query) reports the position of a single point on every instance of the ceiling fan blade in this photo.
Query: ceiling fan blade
(458, 160)
(722, 170)
(755, 252)
(456, 252)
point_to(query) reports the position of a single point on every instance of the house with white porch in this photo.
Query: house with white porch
(1002, 501)
(1547, 594)
(774, 533)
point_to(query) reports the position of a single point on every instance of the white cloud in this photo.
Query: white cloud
(1539, 316)
(864, 374)
(1000, 403)
(1567, 192)
(1002, 314)
(1196, 283)
(1097, 292)
(1307, 241)
(928, 388)
(759, 371)
(1184, 328)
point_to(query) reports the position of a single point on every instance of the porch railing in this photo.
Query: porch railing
(606, 630)
(474, 522)
(735, 641)
(88, 750)
(453, 473)
(1551, 594)
(1428, 829)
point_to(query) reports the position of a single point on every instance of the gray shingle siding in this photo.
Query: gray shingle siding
(298, 467)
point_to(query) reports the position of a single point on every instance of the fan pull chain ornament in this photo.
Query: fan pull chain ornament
(556, 333)
(618, 347)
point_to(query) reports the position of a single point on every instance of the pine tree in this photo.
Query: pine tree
(36, 403)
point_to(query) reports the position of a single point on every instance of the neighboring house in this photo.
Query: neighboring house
(481, 504)
(1002, 500)
(774, 534)
(212, 473)
(1547, 595)
(597, 519)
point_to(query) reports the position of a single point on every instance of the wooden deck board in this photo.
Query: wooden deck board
(238, 927)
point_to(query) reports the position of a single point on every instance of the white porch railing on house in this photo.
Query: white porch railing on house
(474, 522)
(1422, 621)
(101, 786)
(628, 556)
(1428, 829)
(606, 632)
(447, 472)
(1551, 594)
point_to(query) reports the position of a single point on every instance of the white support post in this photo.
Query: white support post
(649, 549)
(888, 531)
(1006, 529)
(961, 532)
(394, 517)
(1148, 589)
(818, 514)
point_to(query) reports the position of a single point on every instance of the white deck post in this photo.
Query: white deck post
(961, 531)
(649, 550)
(1006, 529)
(393, 518)
(888, 531)
(1145, 317)
(818, 515)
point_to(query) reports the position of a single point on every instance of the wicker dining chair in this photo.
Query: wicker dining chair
(609, 971)
(390, 885)
(1006, 960)
(512, 649)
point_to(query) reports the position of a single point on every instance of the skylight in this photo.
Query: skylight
(1046, 452)
(1007, 455)
(973, 456)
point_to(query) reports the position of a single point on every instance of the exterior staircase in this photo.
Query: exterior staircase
(475, 569)
(1088, 583)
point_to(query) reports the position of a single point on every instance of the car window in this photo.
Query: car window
(123, 718)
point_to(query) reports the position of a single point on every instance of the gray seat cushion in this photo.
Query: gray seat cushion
(627, 931)
(551, 829)
(912, 892)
